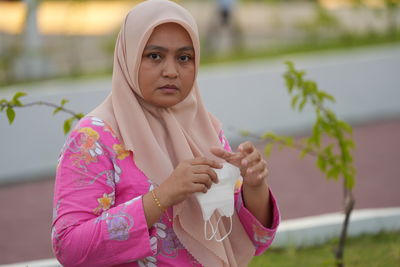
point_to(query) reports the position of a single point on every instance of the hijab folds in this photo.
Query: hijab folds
(160, 138)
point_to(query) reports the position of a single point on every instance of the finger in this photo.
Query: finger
(220, 152)
(251, 159)
(259, 167)
(223, 154)
(203, 179)
(200, 188)
(205, 169)
(206, 161)
(264, 174)
(246, 147)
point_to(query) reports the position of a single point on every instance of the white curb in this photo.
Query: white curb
(318, 229)
(306, 231)
(38, 263)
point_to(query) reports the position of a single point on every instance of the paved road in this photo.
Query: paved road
(247, 96)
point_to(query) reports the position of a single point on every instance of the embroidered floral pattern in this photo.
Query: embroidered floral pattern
(118, 225)
(160, 229)
(105, 202)
(260, 235)
(89, 148)
(121, 152)
(148, 262)
(97, 121)
(117, 173)
(170, 245)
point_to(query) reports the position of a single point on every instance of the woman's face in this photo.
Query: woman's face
(167, 68)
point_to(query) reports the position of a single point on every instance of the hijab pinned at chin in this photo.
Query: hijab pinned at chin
(161, 138)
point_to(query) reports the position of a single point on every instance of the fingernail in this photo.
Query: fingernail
(244, 162)
(249, 170)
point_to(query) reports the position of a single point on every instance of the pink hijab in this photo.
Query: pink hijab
(162, 137)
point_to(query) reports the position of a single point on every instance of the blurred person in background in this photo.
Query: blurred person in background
(223, 33)
(225, 8)
(130, 173)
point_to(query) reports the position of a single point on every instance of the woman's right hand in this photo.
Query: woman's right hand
(190, 176)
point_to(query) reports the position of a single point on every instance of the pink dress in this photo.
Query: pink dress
(98, 215)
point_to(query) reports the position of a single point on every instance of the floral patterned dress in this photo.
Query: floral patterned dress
(98, 215)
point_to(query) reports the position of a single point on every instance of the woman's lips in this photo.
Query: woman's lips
(169, 88)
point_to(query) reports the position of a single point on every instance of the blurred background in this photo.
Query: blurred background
(64, 49)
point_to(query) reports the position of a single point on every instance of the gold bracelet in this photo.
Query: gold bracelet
(157, 201)
(159, 204)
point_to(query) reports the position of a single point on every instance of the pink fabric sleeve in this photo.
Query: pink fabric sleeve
(260, 235)
(89, 229)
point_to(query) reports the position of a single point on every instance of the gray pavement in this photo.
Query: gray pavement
(247, 96)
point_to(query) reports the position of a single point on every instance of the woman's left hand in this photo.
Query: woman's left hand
(253, 167)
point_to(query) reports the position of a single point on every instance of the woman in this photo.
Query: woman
(127, 175)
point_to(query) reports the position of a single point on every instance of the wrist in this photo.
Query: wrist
(163, 196)
(254, 188)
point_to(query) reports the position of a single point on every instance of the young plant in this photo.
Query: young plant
(334, 159)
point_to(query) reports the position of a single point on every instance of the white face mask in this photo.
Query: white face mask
(219, 197)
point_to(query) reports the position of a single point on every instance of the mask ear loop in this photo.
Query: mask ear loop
(213, 231)
(225, 236)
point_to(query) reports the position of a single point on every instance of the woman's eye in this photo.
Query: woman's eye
(154, 56)
(185, 58)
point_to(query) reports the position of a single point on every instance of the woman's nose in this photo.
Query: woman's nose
(170, 69)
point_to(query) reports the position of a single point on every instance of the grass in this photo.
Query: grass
(382, 249)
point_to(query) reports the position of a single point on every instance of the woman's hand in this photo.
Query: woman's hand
(253, 167)
(254, 171)
(189, 177)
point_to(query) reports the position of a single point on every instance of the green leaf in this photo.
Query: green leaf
(347, 156)
(79, 115)
(18, 95)
(294, 101)
(327, 96)
(346, 127)
(317, 135)
(332, 173)
(3, 104)
(310, 87)
(302, 104)
(67, 125)
(321, 163)
(269, 135)
(303, 153)
(58, 109)
(17, 103)
(289, 82)
(10, 114)
(64, 101)
(289, 141)
(268, 149)
(350, 144)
